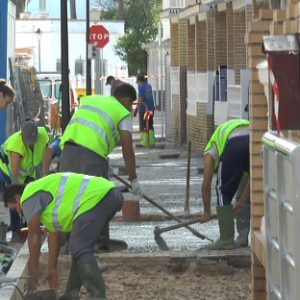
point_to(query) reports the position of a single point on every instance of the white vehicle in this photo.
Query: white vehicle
(50, 86)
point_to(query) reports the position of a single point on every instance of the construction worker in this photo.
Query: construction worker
(23, 153)
(7, 94)
(94, 131)
(113, 82)
(67, 202)
(146, 108)
(227, 153)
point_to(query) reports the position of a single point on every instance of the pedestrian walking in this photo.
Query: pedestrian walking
(66, 202)
(145, 109)
(227, 154)
(113, 82)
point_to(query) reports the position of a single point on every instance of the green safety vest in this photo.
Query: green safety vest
(221, 134)
(95, 124)
(73, 194)
(30, 159)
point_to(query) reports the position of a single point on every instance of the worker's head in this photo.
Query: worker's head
(7, 94)
(140, 79)
(126, 94)
(110, 80)
(12, 196)
(29, 133)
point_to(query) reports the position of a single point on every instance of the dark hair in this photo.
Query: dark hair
(11, 191)
(141, 78)
(6, 89)
(125, 90)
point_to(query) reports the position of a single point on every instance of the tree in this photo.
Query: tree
(141, 19)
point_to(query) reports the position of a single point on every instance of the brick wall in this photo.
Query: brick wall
(174, 45)
(239, 29)
(210, 38)
(229, 33)
(183, 42)
(200, 127)
(191, 48)
(220, 47)
(201, 46)
(258, 114)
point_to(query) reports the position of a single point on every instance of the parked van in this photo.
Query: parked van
(50, 86)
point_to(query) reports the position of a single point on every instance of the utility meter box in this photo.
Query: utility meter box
(283, 64)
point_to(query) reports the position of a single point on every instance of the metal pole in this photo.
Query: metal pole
(161, 80)
(64, 65)
(98, 72)
(3, 61)
(188, 172)
(88, 60)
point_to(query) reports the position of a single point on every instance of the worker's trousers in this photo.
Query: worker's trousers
(88, 226)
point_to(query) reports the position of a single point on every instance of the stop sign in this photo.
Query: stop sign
(99, 35)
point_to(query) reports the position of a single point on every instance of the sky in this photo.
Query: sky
(53, 7)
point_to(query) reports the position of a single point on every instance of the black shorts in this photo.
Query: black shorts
(232, 165)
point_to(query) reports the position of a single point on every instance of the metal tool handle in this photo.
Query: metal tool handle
(192, 230)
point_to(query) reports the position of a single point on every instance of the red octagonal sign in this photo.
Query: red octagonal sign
(99, 35)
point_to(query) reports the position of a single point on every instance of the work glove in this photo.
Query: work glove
(135, 187)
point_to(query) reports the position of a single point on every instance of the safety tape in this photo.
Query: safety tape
(275, 89)
(133, 77)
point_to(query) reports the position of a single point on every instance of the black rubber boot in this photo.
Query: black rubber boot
(91, 277)
(73, 285)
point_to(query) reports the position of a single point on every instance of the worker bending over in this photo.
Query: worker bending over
(23, 154)
(94, 131)
(67, 202)
(227, 153)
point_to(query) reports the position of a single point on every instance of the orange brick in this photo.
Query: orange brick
(276, 28)
(261, 26)
(279, 15)
(253, 38)
(265, 14)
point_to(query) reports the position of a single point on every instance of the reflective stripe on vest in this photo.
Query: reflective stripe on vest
(95, 124)
(92, 126)
(61, 191)
(72, 195)
(106, 117)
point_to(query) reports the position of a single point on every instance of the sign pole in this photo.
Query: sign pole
(97, 73)
(88, 60)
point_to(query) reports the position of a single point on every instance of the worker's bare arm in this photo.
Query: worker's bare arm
(15, 161)
(47, 161)
(54, 246)
(34, 244)
(128, 153)
(206, 187)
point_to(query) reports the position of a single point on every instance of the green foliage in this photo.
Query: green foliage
(141, 27)
(110, 14)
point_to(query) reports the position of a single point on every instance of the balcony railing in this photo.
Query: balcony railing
(167, 4)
